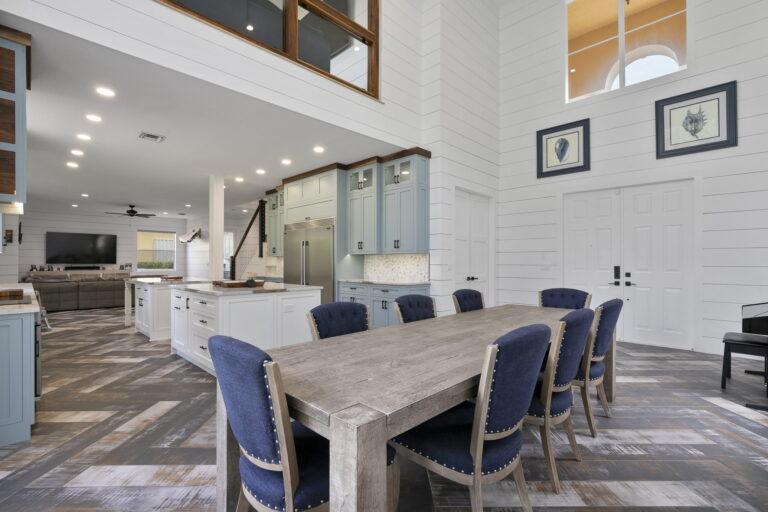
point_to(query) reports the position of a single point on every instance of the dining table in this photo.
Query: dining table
(360, 390)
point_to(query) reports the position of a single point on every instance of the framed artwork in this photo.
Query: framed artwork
(562, 149)
(697, 121)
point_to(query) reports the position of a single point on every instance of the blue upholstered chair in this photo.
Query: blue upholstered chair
(552, 399)
(476, 444)
(566, 298)
(467, 300)
(283, 465)
(411, 308)
(338, 319)
(593, 362)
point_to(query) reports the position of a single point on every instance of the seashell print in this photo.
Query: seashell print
(561, 148)
(694, 122)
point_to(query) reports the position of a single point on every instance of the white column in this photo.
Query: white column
(216, 227)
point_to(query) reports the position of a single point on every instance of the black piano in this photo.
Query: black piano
(752, 340)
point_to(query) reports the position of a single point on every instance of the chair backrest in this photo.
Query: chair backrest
(514, 372)
(411, 308)
(338, 319)
(467, 300)
(577, 329)
(567, 298)
(609, 312)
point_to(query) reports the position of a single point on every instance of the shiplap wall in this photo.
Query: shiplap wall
(728, 41)
(154, 32)
(36, 222)
(9, 258)
(460, 95)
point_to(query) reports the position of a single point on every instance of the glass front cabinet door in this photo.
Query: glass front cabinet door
(363, 210)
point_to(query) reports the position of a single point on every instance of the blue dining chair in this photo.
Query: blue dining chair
(411, 308)
(479, 443)
(467, 300)
(593, 361)
(338, 319)
(284, 466)
(566, 298)
(553, 398)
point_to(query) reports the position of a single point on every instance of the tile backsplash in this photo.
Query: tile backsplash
(396, 268)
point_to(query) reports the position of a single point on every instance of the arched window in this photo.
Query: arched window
(646, 68)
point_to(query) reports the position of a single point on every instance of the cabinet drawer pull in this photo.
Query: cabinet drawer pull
(178, 296)
(177, 307)
(187, 302)
(202, 303)
(204, 322)
(203, 348)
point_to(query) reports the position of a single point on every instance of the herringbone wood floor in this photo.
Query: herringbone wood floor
(123, 425)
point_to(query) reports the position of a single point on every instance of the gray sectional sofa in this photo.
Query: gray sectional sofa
(65, 292)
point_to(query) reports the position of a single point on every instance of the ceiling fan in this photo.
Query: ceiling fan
(131, 212)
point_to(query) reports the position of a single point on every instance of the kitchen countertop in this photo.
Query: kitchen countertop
(156, 281)
(17, 309)
(268, 287)
(383, 283)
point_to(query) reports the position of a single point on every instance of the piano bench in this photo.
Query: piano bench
(744, 343)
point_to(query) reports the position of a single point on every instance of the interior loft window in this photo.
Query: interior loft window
(156, 250)
(617, 43)
(336, 38)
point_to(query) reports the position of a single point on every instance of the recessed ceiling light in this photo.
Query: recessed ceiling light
(75, 205)
(105, 91)
(165, 213)
(318, 149)
(357, 48)
(85, 195)
(224, 186)
(261, 171)
(239, 179)
(245, 211)
(249, 27)
(73, 165)
(77, 152)
(187, 206)
(93, 118)
(83, 136)
(573, 70)
(285, 161)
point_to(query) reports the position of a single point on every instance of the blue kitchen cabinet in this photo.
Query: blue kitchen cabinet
(406, 205)
(363, 207)
(17, 392)
(13, 117)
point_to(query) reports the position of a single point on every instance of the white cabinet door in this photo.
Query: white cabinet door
(291, 313)
(250, 319)
(179, 324)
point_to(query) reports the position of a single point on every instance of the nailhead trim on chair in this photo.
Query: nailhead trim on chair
(459, 470)
(251, 493)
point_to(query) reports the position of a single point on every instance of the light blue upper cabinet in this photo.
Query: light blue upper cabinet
(13, 122)
(406, 205)
(363, 209)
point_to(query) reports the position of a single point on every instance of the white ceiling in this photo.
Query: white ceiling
(209, 130)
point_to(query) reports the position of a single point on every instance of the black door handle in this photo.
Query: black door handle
(627, 283)
(615, 283)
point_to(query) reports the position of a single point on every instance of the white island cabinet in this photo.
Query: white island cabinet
(153, 305)
(268, 317)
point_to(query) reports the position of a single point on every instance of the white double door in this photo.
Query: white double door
(635, 243)
(471, 242)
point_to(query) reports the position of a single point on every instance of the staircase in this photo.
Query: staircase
(251, 245)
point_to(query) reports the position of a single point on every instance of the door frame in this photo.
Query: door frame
(490, 299)
(696, 272)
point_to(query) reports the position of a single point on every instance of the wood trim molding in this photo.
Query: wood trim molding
(271, 191)
(330, 13)
(407, 152)
(365, 161)
(313, 172)
(17, 36)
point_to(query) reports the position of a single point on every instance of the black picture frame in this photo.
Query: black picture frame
(731, 124)
(541, 172)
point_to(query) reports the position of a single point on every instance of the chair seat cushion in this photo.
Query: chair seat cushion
(561, 402)
(445, 439)
(743, 337)
(596, 370)
(311, 457)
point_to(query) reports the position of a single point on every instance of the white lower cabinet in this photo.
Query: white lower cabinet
(152, 305)
(266, 320)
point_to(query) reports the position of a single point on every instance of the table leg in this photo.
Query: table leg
(609, 382)
(128, 304)
(227, 458)
(358, 460)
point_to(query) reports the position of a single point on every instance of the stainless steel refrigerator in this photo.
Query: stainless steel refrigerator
(308, 255)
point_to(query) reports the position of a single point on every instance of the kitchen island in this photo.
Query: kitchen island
(18, 334)
(153, 304)
(271, 316)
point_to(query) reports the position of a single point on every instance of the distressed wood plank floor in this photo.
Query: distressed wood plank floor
(123, 425)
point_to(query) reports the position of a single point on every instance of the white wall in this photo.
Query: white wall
(9, 258)
(36, 222)
(727, 42)
(460, 93)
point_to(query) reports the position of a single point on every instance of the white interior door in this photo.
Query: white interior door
(658, 260)
(471, 237)
(644, 236)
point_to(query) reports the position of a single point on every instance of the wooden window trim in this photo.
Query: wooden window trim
(369, 36)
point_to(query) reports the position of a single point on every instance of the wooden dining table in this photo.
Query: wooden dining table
(362, 389)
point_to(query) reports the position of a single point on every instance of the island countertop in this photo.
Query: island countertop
(17, 309)
(158, 281)
(209, 289)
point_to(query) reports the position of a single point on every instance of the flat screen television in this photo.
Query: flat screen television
(80, 248)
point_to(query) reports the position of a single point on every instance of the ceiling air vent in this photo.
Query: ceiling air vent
(151, 137)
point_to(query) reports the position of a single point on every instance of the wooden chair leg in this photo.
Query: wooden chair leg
(393, 485)
(549, 455)
(242, 503)
(476, 495)
(603, 399)
(568, 424)
(522, 490)
(588, 410)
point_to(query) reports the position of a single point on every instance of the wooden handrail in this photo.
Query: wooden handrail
(261, 208)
